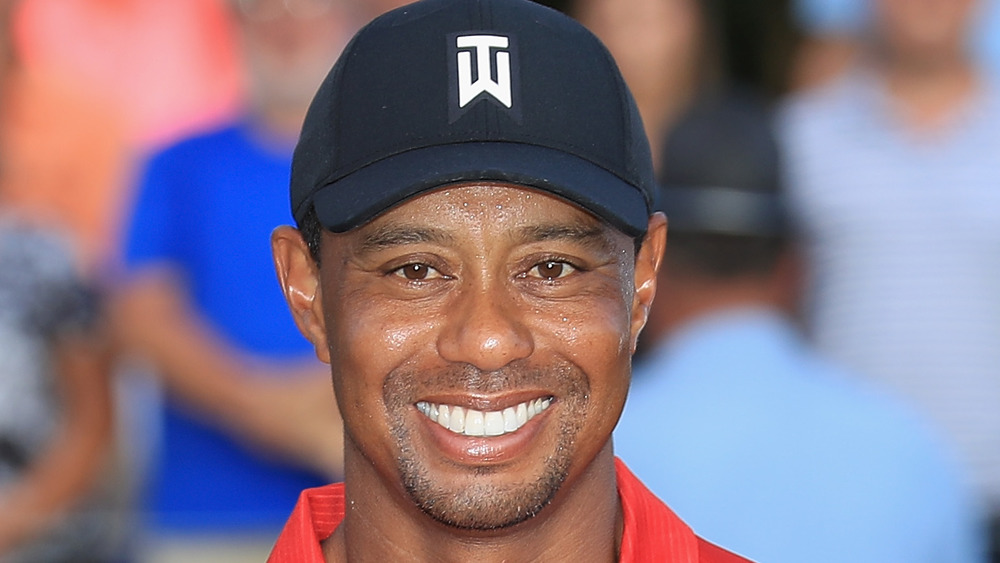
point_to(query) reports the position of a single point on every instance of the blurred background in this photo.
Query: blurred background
(828, 170)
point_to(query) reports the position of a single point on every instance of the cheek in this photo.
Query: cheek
(367, 342)
(595, 337)
(592, 334)
(592, 339)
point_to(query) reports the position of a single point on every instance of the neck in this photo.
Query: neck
(583, 523)
(275, 132)
(929, 92)
(690, 302)
(689, 296)
(280, 122)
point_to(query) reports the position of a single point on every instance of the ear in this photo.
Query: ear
(298, 275)
(647, 265)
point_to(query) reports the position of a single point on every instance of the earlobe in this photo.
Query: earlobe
(298, 275)
(647, 266)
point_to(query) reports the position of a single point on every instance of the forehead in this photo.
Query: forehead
(489, 207)
(479, 199)
(485, 220)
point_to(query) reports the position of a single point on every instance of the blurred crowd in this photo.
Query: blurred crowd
(819, 379)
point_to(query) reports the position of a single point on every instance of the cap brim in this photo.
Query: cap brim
(362, 195)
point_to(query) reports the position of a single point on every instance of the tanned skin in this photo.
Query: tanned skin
(482, 296)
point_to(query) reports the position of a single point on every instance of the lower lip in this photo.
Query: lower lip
(482, 450)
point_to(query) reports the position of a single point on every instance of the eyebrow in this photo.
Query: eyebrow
(389, 236)
(593, 236)
(398, 235)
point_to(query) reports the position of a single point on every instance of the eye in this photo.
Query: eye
(416, 272)
(551, 269)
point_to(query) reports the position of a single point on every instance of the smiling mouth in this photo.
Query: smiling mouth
(470, 422)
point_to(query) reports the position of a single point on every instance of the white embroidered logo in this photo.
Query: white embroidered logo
(483, 45)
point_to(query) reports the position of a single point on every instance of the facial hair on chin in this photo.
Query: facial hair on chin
(484, 506)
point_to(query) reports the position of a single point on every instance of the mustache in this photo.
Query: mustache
(467, 378)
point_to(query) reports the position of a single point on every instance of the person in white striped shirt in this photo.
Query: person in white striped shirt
(893, 179)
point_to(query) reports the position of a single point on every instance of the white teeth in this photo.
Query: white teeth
(471, 422)
(457, 420)
(494, 424)
(509, 419)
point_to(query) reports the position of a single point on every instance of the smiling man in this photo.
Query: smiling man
(475, 258)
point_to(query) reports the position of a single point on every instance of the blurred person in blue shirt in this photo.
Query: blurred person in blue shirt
(249, 421)
(733, 420)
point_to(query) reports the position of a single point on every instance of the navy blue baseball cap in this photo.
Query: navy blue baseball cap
(448, 91)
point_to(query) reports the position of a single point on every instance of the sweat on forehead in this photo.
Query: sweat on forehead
(434, 218)
(449, 91)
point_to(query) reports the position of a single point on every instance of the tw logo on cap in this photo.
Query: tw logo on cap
(482, 45)
(483, 67)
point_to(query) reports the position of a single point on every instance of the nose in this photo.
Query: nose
(486, 330)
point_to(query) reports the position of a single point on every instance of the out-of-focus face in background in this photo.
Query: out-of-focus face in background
(6, 52)
(923, 30)
(290, 45)
(375, 8)
(657, 45)
(6, 62)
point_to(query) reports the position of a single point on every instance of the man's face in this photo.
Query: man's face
(655, 43)
(290, 45)
(923, 30)
(480, 338)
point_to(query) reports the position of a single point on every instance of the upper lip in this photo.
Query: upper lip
(485, 402)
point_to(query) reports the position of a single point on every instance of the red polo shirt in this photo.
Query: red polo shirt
(653, 533)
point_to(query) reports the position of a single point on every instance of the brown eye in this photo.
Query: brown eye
(552, 269)
(417, 272)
